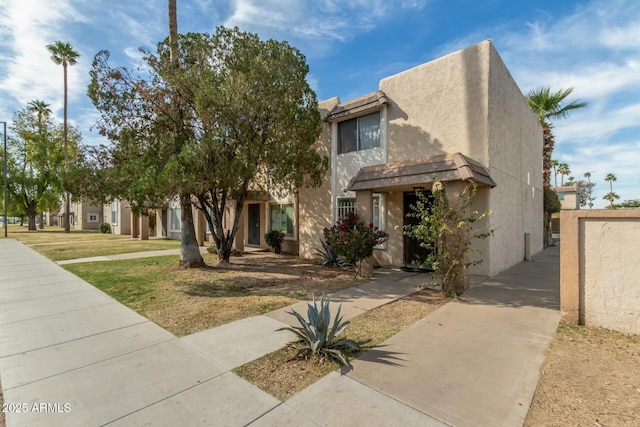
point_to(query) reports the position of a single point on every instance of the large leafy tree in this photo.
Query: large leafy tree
(235, 115)
(549, 106)
(36, 160)
(63, 54)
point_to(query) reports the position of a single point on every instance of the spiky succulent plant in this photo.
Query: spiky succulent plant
(318, 334)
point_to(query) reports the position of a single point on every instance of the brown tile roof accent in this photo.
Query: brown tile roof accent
(443, 167)
(365, 103)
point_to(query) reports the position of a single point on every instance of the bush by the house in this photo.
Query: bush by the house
(274, 239)
(105, 227)
(351, 238)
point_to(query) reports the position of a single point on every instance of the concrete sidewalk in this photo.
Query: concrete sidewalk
(92, 361)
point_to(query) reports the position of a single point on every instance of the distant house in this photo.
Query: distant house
(118, 215)
(85, 216)
(456, 119)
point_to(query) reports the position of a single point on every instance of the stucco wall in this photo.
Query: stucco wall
(439, 107)
(515, 163)
(599, 269)
(314, 204)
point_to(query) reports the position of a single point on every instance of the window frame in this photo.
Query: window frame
(95, 215)
(358, 132)
(282, 210)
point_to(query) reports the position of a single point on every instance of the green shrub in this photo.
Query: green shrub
(105, 227)
(354, 240)
(318, 335)
(274, 239)
(445, 229)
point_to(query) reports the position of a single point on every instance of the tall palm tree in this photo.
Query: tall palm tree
(589, 189)
(549, 106)
(563, 169)
(189, 250)
(554, 164)
(41, 108)
(611, 196)
(63, 54)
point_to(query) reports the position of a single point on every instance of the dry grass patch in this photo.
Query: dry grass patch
(591, 377)
(189, 301)
(282, 374)
(53, 234)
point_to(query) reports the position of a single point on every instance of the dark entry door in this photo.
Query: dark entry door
(414, 254)
(254, 224)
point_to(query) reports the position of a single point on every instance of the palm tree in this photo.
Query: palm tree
(41, 108)
(554, 165)
(611, 196)
(563, 169)
(589, 189)
(548, 106)
(63, 53)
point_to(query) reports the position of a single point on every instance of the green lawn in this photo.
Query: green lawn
(57, 245)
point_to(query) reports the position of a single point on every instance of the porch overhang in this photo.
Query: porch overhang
(420, 172)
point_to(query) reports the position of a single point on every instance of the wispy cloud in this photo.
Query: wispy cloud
(319, 23)
(596, 51)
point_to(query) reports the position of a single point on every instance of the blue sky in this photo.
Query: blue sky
(592, 46)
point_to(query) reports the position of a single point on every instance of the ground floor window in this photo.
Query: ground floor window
(348, 204)
(174, 219)
(345, 205)
(282, 218)
(93, 217)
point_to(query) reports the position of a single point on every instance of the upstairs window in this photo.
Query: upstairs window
(360, 133)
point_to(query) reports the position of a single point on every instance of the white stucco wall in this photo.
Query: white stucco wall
(611, 278)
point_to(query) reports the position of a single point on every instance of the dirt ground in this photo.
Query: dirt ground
(591, 377)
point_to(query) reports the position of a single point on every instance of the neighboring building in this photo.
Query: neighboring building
(461, 117)
(85, 216)
(118, 215)
(569, 196)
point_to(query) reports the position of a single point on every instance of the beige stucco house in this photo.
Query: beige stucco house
(85, 216)
(458, 118)
(118, 215)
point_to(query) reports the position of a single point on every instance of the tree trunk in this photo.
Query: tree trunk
(189, 250)
(173, 30)
(31, 214)
(41, 226)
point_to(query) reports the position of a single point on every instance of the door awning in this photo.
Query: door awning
(420, 172)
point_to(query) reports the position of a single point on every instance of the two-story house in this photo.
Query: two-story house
(458, 118)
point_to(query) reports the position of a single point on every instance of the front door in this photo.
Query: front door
(254, 224)
(414, 254)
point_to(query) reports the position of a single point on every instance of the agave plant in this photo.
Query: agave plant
(329, 255)
(318, 334)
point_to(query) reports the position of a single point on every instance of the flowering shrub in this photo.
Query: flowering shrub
(445, 230)
(351, 238)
